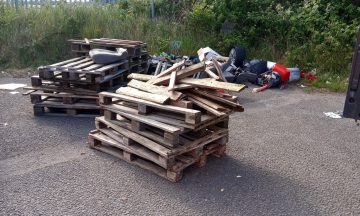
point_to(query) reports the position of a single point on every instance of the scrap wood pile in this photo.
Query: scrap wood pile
(71, 87)
(137, 54)
(167, 122)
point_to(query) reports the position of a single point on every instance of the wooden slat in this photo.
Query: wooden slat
(109, 66)
(211, 74)
(218, 68)
(156, 98)
(171, 69)
(161, 150)
(64, 62)
(182, 86)
(84, 65)
(172, 80)
(180, 74)
(155, 116)
(136, 149)
(207, 102)
(141, 77)
(151, 122)
(235, 106)
(213, 84)
(174, 95)
(206, 107)
(151, 104)
(74, 64)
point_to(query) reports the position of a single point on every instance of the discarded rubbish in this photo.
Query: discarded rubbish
(103, 56)
(11, 86)
(234, 69)
(207, 54)
(334, 115)
(294, 74)
(308, 76)
(14, 92)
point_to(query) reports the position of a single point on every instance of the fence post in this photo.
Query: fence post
(152, 9)
(16, 4)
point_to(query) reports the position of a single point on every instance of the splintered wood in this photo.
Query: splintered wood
(162, 127)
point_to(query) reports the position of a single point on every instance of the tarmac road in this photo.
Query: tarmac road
(285, 157)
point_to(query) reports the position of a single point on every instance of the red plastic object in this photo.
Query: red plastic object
(283, 72)
(308, 76)
(220, 90)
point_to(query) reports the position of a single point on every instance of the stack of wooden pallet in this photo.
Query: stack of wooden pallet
(168, 122)
(71, 87)
(138, 56)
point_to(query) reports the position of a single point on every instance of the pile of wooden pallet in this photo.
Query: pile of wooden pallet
(71, 87)
(138, 56)
(168, 122)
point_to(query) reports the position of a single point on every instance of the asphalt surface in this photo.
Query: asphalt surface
(285, 157)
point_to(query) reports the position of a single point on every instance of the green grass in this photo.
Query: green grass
(29, 38)
(330, 82)
(38, 36)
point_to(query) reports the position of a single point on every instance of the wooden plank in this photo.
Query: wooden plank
(74, 63)
(156, 98)
(53, 104)
(147, 165)
(235, 106)
(207, 102)
(65, 95)
(109, 66)
(141, 77)
(174, 95)
(218, 68)
(161, 150)
(170, 69)
(148, 132)
(182, 86)
(206, 107)
(151, 122)
(213, 84)
(151, 104)
(180, 75)
(157, 70)
(211, 74)
(136, 149)
(172, 80)
(64, 62)
(155, 116)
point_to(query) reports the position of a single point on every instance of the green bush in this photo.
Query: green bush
(313, 34)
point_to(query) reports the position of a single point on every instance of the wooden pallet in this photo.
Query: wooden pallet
(56, 107)
(188, 141)
(170, 168)
(190, 116)
(82, 69)
(154, 127)
(173, 115)
(65, 98)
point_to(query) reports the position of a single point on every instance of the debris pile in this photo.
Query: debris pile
(71, 87)
(167, 122)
